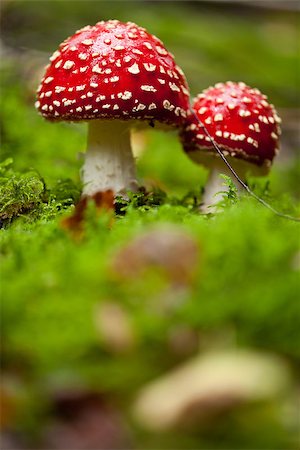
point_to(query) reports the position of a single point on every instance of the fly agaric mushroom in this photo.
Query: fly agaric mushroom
(244, 126)
(112, 75)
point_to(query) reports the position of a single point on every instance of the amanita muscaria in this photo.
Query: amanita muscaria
(112, 75)
(243, 125)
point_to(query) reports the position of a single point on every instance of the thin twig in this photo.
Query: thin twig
(245, 186)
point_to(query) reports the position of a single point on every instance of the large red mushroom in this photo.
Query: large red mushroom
(242, 123)
(112, 75)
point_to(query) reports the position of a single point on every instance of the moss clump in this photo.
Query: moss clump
(26, 194)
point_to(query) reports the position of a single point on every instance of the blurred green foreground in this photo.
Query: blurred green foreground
(158, 327)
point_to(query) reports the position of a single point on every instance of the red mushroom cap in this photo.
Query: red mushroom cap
(113, 70)
(240, 120)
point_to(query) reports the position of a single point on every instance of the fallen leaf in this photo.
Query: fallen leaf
(103, 200)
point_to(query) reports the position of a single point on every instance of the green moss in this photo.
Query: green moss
(245, 289)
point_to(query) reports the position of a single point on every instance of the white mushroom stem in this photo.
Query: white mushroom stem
(109, 163)
(214, 185)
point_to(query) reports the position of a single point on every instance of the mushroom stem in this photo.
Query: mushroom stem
(214, 185)
(109, 162)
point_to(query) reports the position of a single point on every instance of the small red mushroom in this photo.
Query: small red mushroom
(112, 75)
(244, 126)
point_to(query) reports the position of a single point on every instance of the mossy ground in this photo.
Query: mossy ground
(244, 290)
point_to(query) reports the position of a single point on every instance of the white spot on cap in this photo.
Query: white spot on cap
(264, 103)
(148, 45)
(137, 51)
(73, 48)
(161, 69)
(140, 107)
(37, 104)
(244, 113)
(185, 91)
(246, 100)
(56, 103)
(106, 106)
(48, 80)
(94, 85)
(226, 134)
(58, 64)
(231, 105)
(202, 110)
(116, 107)
(274, 136)
(68, 64)
(96, 69)
(219, 133)
(87, 42)
(48, 94)
(134, 69)
(174, 87)
(161, 50)
(126, 95)
(80, 87)
(88, 107)
(95, 54)
(89, 94)
(108, 71)
(149, 67)
(44, 108)
(83, 69)
(277, 119)
(161, 81)
(149, 88)
(55, 55)
(59, 89)
(71, 89)
(168, 105)
(119, 47)
(114, 79)
(83, 56)
(152, 106)
(79, 109)
(200, 136)
(179, 70)
(100, 97)
(132, 35)
(208, 121)
(69, 102)
(118, 63)
(127, 58)
(218, 117)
